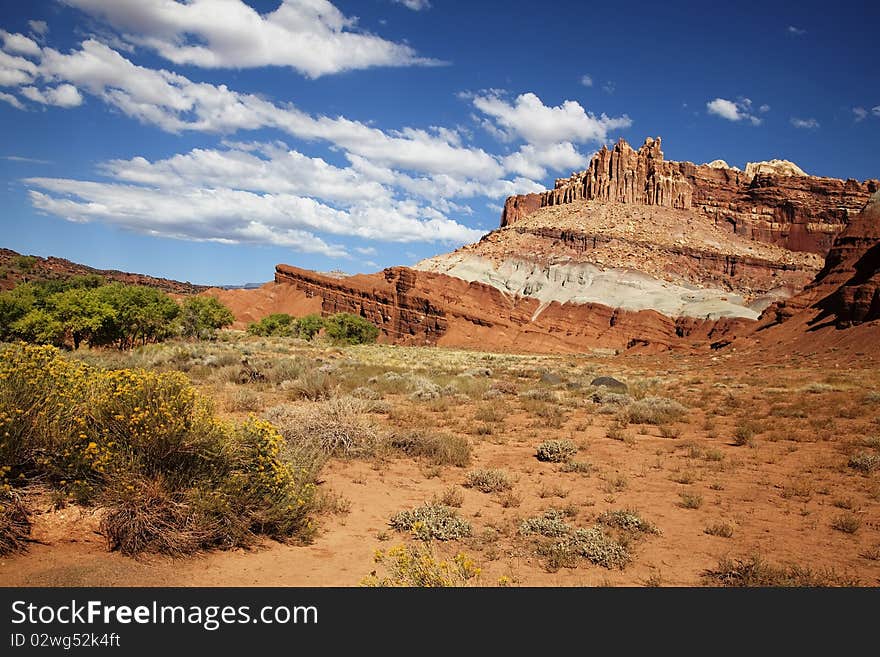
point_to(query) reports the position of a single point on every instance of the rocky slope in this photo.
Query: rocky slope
(16, 268)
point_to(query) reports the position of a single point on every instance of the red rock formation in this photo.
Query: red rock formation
(801, 213)
(417, 308)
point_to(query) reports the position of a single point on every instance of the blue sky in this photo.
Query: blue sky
(208, 140)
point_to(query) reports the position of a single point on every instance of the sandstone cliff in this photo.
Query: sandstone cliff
(773, 202)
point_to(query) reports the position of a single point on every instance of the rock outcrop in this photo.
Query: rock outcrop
(847, 290)
(773, 202)
(424, 308)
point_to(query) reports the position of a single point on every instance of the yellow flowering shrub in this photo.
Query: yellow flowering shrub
(416, 565)
(147, 446)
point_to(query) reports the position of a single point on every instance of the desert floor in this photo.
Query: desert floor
(731, 458)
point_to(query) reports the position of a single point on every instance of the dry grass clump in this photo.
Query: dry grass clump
(848, 523)
(439, 448)
(654, 410)
(15, 523)
(489, 480)
(432, 522)
(339, 426)
(313, 385)
(721, 529)
(556, 451)
(755, 572)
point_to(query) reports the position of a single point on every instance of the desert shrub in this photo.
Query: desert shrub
(551, 523)
(654, 410)
(424, 389)
(848, 523)
(439, 448)
(416, 565)
(591, 544)
(865, 462)
(172, 476)
(432, 522)
(581, 467)
(345, 328)
(744, 433)
(489, 480)
(627, 520)
(755, 572)
(244, 400)
(339, 426)
(453, 497)
(690, 500)
(556, 451)
(15, 523)
(721, 529)
(605, 396)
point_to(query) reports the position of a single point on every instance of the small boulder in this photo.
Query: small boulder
(609, 382)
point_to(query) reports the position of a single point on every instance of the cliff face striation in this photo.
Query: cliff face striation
(772, 202)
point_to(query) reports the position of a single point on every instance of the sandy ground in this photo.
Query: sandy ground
(780, 495)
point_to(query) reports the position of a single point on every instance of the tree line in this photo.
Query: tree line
(87, 310)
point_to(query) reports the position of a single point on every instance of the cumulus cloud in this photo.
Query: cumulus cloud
(40, 28)
(860, 113)
(12, 100)
(240, 216)
(532, 161)
(19, 43)
(528, 118)
(587, 80)
(795, 31)
(875, 110)
(15, 71)
(807, 124)
(64, 95)
(309, 36)
(415, 5)
(738, 110)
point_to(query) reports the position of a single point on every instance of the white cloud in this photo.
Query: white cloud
(365, 250)
(860, 113)
(19, 43)
(19, 158)
(796, 31)
(415, 5)
(875, 110)
(609, 87)
(532, 161)
(739, 110)
(807, 124)
(64, 95)
(587, 81)
(527, 117)
(39, 27)
(12, 100)
(15, 71)
(763, 109)
(310, 36)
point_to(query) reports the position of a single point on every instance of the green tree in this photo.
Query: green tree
(82, 313)
(276, 324)
(345, 328)
(308, 326)
(142, 314)
(15, 304)
(39, 327)
(200, 317)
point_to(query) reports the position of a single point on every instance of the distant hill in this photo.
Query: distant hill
(16, 268)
